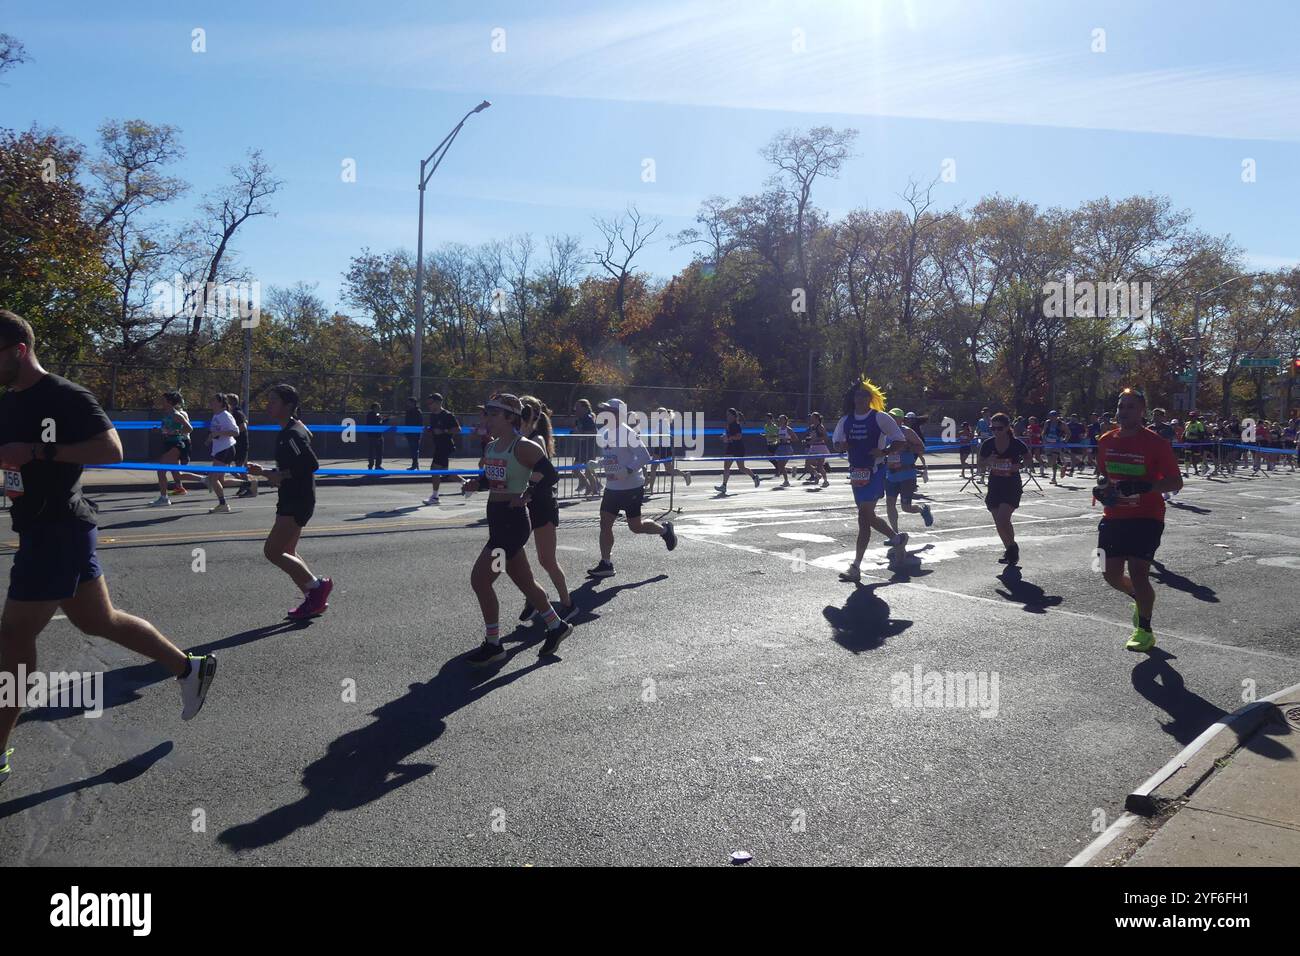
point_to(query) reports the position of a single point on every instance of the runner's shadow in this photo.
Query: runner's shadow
(1157, 681)
(124, 772)
(367, 764)
(123, 685)
(1020, 591)
(148, 522)
(863, 624)
(1181, 506)
(394, 513)
(1176, 581)
(588, 598)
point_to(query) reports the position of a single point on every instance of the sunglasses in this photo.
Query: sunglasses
(999, 428)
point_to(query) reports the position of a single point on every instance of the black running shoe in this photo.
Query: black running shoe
(553, 638)
(605, 569)
(670, 536)
(1013, 554)
(487, 653)
(527, 614)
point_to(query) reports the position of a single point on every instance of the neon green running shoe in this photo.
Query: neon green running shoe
(4, 765)
(1141, 640)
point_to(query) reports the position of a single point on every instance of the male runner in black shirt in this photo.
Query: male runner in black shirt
(375, 440)
(49, 429)
(295, 475)
(443, 428)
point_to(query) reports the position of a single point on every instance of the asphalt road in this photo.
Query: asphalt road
(731, 695)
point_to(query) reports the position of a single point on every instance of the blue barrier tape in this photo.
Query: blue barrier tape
(391, 473)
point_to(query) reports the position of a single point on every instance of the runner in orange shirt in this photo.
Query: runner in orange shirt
(1136, 467)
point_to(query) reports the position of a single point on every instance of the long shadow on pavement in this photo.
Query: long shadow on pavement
(1172, 579)
(1190, 713)
(122, 686)
(1034, 599)
(863, 623)
(588, 598)
(366, 764)
(123, 772)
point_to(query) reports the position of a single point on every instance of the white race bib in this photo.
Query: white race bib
(860, 476)
(14, 484)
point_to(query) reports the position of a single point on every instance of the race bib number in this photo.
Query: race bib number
(613, 469)
(895, 461)
(14, 484)
(860, 477)
(1003, 467)
(495, 470)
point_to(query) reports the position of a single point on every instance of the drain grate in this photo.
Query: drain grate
(1292, 715)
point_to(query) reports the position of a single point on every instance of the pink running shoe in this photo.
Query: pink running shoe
(315, 603)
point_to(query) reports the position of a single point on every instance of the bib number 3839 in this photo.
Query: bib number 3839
(495, 471)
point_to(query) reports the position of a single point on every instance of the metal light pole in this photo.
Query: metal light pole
(1196, 324)
(439, 152)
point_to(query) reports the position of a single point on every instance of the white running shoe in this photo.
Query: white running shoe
(162, 501)
(221, 509)
(194, 689)
(431, 500)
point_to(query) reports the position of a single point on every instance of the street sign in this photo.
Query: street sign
(1259, 362)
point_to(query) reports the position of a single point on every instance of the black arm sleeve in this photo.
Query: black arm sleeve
(550, 477)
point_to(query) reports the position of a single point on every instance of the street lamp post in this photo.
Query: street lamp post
(439, 152)
(1196, 330)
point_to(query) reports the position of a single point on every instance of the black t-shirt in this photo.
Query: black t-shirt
(297, 463)
(375, 418)
(443, 444)
(51, 490)
(735, 436)
(1005, 465)
(414, 417)
(586, 425)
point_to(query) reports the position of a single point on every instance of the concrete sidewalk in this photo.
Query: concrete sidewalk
(1235, 801)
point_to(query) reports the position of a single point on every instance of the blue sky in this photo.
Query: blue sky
(584, 91)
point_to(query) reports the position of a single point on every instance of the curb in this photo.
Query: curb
(1145, 802)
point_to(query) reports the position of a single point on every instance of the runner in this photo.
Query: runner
(413, 419)
(1094, 432)
(965, 438)
(510, 465)
(784, 449)
(1196, 434)
(1002, 457)
(983, 427)
(1166, 431)
(670, 426)
(770, 439)
(248, 488)
(222, 432)
(543, 512)
(1137, 466)
(867, 433)
(625, 456)
(1054, 433)
(1034, 439)
(295, 475)
(900, 473)
(444, 428)
(176, 431)
(49, 429)
(1075, 431)
(818, 442)
(733, 444)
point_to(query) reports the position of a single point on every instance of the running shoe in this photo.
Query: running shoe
(1011, 555)
(316, 601)
(1142, 640)
(756, 480)
(4, 765)
(670, 536)
(569, 611)
(222, 509)
(194, 688)
(487, 653)
(899, 551)
(721, 488)
(926, 516)
(178, 490)
(528, 613)
(553, 637)
(162, 501)
(431, 500)
(605, 569)
(854, 573)
(825, 484)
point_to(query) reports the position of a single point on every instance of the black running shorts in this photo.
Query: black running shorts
(1137, 538)
(508, 528)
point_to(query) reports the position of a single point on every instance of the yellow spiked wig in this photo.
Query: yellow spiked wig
(877, 396)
